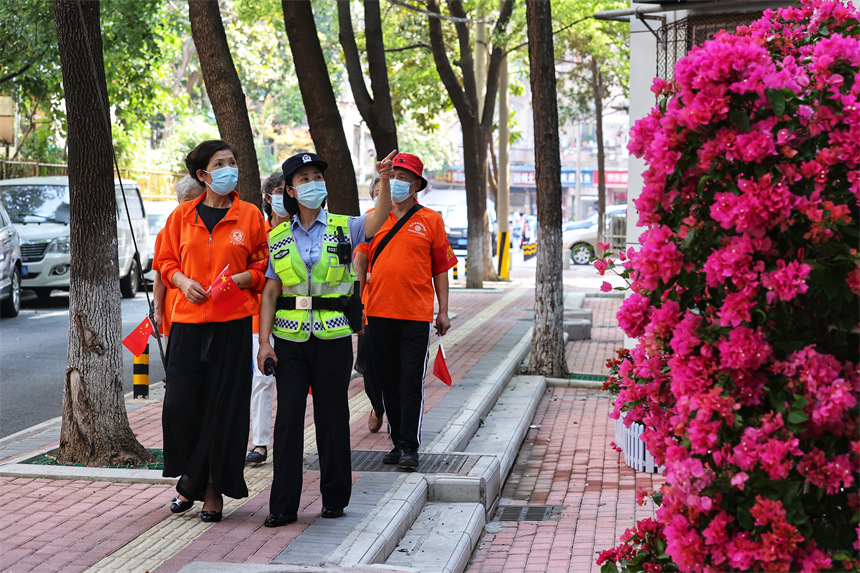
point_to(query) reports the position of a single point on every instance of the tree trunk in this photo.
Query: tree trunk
(547, 354)
(477, 128)
(601, 155)
(95, 429)
(376, 111)
(225, 92)
(321, 108)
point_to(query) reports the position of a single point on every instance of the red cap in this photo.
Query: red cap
(410, 163)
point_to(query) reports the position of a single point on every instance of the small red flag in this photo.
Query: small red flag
(139, 337)
(226, 296)
(440, 368)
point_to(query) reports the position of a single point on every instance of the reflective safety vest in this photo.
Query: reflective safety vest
(328, 279)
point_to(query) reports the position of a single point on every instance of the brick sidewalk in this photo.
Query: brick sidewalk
(72, 525)
(568, 462)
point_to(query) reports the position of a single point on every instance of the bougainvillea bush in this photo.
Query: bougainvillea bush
(746, 297)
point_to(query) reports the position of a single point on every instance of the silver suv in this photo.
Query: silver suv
(39, 209)
(10, 267)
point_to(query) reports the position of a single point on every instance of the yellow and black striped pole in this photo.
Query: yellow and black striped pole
(457, 266)
(141, 374)
(504, 250)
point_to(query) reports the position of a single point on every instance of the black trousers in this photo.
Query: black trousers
(399, 356)
(324, 366)
(205, 413)
(362, 365)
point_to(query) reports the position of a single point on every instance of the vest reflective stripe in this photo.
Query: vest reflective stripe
(328, 279)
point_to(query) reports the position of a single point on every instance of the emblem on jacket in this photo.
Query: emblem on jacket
(418, 228)
(237, 237)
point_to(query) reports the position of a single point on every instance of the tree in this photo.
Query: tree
(30, 71)
(225, 93)
(95, 428)
(477, 130)
(321, 108)
(376, 111)
(593, 57)
(547, 356)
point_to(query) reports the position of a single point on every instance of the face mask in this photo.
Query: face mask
(311, 194)
(224, 179)
(278, 205)
(400, 190)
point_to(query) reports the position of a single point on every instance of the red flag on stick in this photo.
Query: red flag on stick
(139, 337)
(226, 295)
(440, 368)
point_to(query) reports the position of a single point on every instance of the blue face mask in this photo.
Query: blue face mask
(311, 194)
(224, 179)
(400, 190)
(278, 205)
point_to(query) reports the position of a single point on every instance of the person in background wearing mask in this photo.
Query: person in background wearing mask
(399, 310)
(264, 385)
(362, 359)
(187, 189)
(205, 410)
(305, 304)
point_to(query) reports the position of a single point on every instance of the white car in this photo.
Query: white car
(580, 238)
(40, 210)
(157, 213)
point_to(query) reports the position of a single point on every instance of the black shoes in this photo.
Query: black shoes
(280, 519)
(331, 512)
(255, 457)
(210, 516)
(409, 458)
(392, 457)
(178, 506)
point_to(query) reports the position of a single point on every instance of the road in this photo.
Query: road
(33, 349)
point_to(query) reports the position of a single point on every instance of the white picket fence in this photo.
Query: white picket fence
(635, 454)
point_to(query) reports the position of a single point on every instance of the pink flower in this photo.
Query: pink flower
(659, 258)
(787, 281)
(603, 246)
(605, 287)
(634, 314)
(600, 265)
(739, 479)
(746, 349)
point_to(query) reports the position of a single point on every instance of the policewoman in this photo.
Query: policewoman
(306, 305)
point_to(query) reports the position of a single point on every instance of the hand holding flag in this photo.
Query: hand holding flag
(440, 368)
(139, 337)
(226, 295)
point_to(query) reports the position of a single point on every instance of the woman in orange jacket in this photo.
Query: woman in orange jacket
(205, 413)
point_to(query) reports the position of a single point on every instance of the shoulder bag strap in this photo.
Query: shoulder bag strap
(394, 230)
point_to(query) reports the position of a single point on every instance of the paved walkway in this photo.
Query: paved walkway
(92, 523)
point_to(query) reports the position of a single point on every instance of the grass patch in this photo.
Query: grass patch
(50, 459)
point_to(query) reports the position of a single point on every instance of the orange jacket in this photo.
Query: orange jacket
(239, 240)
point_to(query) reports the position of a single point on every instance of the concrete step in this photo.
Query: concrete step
(577, 328)
(441, 539)
(505, 427)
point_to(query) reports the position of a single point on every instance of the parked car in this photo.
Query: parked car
(39, 209)
(581, 241)
(156, 213)
(10, 267)
(457, 225)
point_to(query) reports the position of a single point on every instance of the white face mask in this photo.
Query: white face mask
(278, 205)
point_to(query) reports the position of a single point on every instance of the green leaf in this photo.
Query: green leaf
(609, 567)
(777, 101)
(740, 118)
(843, 555)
